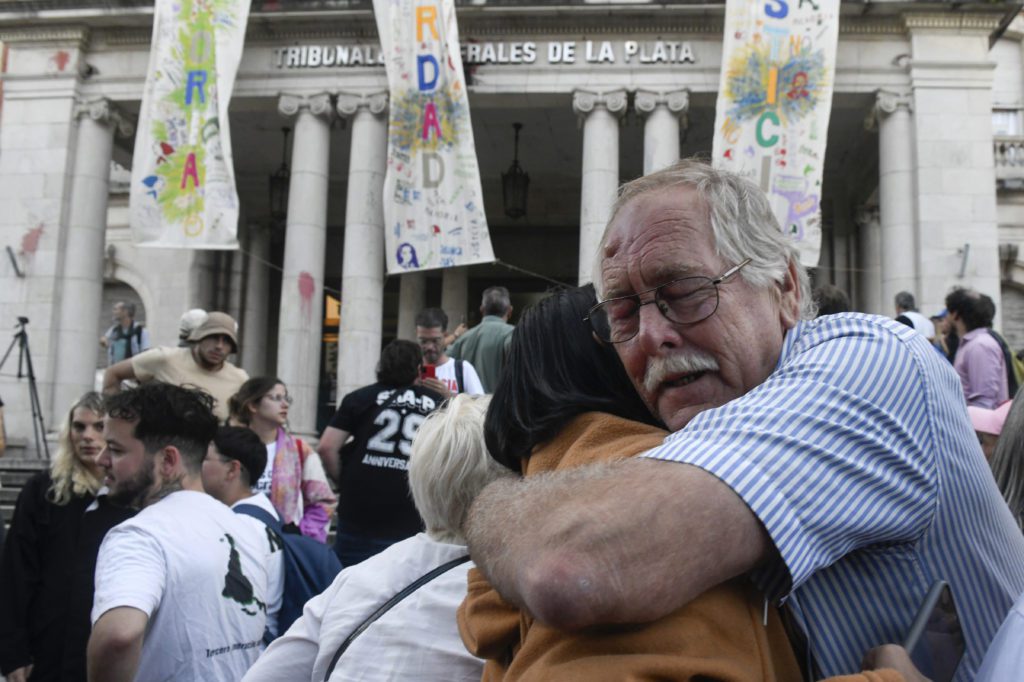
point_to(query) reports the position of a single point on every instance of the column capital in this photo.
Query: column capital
(866, 215)
(585, 101)
(348, 103)
(102, 110)
(676, 101)
(318, 104)
(886, 102)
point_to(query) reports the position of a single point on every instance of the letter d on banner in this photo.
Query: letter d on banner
(433, 170)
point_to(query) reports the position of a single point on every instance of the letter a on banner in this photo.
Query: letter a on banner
(774, 103)
(183, 181)
(433, 204)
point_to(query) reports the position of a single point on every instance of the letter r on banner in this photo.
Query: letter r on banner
(426, 15)
(196, 81)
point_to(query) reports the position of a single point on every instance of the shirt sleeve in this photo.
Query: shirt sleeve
(832, 452)
(348, 412)
(471, 380)
(146, 364)
(130, 571)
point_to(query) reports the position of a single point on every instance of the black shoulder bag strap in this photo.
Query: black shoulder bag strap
(458, 375)
(372, 618)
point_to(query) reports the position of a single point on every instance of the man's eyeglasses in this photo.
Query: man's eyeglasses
(687, 300)
(279, 398)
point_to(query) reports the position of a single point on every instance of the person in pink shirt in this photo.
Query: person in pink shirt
(979, 359)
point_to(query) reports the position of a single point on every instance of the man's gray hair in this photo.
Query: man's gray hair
(129, 308)
(742, 224)
(905, 300)
(496, 301)
(449, 465)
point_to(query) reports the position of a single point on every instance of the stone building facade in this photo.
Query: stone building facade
(923, 187)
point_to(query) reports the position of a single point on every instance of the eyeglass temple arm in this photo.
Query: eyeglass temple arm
(731, 271)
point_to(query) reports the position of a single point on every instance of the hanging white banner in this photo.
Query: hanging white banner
(774, 102)
(183, 182)
(433, 204)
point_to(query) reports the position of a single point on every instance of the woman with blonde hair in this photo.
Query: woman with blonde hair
(46, 575)
(294, 479)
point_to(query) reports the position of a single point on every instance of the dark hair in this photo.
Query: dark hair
(238, 442)
(971, 307)
(555, 371)
(166, 414)
(252, 391)
(432, 317)
(830, 300)
(495, 301)
(399, 363)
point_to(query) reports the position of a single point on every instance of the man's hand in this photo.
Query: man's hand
(115, 645)
(437, 386)
(20, 674)
(103, 342)
(895, 657)
(117, 373)
(625, 542)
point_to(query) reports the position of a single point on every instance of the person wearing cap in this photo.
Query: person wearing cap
(988, 424)
(203, 364)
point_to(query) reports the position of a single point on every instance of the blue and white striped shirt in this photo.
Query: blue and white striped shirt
(858, 457)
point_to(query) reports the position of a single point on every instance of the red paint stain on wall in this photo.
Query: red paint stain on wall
(30, 240)
(61, 59)
(307, 287)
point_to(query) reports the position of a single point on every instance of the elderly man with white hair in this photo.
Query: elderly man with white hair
(416, 638)
(832, 459)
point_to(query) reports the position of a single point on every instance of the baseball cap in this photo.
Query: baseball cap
(939, 315)
(216, 323)
(989, 421)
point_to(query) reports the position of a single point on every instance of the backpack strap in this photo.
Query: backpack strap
(260, 514)
(373, 617)
(458, 375)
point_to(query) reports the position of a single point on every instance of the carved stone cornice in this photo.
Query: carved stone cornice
(348, 103)
(105, 111)
(318, 104)
(77, 35)
(868, 216)
(585, 101)
(886, 103)
(978, 21)
(676, 101)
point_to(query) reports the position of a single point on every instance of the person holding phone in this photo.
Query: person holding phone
(374, 509)
(441, 373)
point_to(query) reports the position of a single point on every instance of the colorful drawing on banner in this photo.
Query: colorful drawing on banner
(782, 91)
(183, 182)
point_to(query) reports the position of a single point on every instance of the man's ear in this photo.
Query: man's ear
(169, 462)
(789, 297)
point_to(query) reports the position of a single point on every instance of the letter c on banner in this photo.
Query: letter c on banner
(421, 72)
(761, 139)
(776, 9)
(433, 170)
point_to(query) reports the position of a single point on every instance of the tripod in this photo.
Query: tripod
(25, 370)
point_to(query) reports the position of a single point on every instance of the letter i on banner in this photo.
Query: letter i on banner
(433, 204)
(183, 180)
(774, 103)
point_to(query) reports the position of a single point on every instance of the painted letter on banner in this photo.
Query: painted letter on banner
(433, 203)
(774, 102)
(183, 182)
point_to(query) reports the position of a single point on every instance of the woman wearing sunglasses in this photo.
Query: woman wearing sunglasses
(294, 479)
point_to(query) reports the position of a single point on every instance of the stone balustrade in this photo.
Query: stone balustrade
(1008, 153)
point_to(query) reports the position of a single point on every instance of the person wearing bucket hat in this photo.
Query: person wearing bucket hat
(203, 363)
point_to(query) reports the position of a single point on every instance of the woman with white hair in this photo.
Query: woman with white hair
(46, 576)
(362, 627)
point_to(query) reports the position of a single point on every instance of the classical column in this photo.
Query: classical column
(896, 196)
(454, 295)
(79, 328)
(362, 270)
(664, 114)
(869, 240)
(599, 113)
(302, 280)
(412, 298)
(257, 296)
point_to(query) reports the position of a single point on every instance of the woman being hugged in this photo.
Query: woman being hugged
(46, 576)
(294, 479)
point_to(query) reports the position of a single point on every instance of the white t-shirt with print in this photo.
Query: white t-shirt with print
(275, 567)
(198, 570)
(263, 483)
(470, 379)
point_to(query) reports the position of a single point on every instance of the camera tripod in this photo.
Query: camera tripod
(25, 370)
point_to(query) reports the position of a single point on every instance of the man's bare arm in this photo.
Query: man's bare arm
(115, 645)
(117, 373)
(625, 542)
(329, 450)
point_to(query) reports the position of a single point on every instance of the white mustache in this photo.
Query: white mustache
(662, 367)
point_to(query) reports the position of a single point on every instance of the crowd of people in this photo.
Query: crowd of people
(742, 481)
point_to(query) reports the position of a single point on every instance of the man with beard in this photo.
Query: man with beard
(831, 460)
(203, 363)
(181, 589)
(451, 376)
